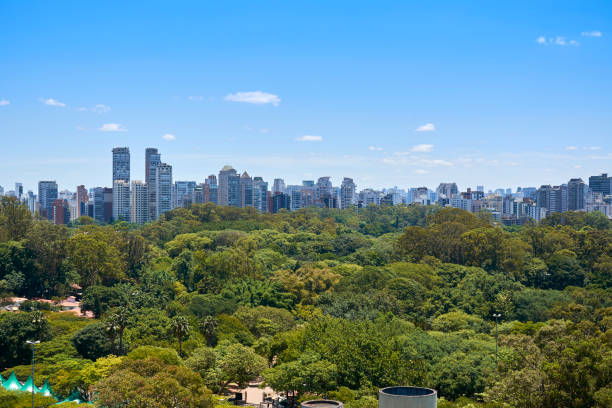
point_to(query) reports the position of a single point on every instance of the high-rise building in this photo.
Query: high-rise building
(163, 189)
(31, 202)
(184, 193)
(295, 194)
(60, 212)
(121, 164)
(81, 201)
(226, 173)
(246, 190)
(544, 197)
(108, 204)
(347, 193)
(152, 160)
(577, 192)
(280, 201)
(139, 211)
(278, 186)
(447, 190)
(19, 191)
(601, 184)
(323, 191)
(47, 192)
(211, 190)
(260, 194)
(121, 200)
(98, 205)
(1, 191)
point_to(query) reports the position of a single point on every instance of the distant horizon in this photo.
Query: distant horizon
(336, 180)
(390, 94)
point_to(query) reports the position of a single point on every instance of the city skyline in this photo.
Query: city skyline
(406, 94)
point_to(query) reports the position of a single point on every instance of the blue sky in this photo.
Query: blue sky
(390, 93)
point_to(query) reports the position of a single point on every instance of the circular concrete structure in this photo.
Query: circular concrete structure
(407, 397)
(322, 404)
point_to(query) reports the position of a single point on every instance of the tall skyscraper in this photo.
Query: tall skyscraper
(280, 201)
(152, 160)
(447, 190)
(139, 202)
(184, 193)
(324, 193)
(60, 211)
(211, 190)
(163, 189)
(19, 191)
(260, 194)
(278, 186)
(81, 201)
(229, 187)
(347, 193)
(98, 205)
(121, 200)
(121, 164)
(47, 192)
(246, 190)
(577, 192)
(601, 184)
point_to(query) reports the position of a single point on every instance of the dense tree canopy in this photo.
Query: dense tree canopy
(317, 302)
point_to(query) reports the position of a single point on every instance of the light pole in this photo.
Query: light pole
(32, 343)
(496, 316)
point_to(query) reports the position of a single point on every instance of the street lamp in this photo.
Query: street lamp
(496, 316)
(32, 343)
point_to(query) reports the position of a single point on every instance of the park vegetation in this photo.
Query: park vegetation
(316, 303)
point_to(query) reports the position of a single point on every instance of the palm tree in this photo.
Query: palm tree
(208, 326)
(112, 329)
(180, 327)
(120, 318)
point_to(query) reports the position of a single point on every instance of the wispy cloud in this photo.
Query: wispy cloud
(54, 102)
(375, 149)
(588, 148)
(99, 108)
(558, 40)
(169, 137)
(255, 97)
(4, 102)
(591, 34)
(428, 127)
(112, 127)
(420, 171)
(422, 148)
(309, 138)
(195, 98)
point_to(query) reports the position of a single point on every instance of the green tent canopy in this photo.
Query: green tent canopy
(11, 384)
(46, 389)
(29, 385)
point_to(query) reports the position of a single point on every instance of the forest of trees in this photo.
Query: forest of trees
(317, 302)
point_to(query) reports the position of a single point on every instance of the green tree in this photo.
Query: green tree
(180, 327)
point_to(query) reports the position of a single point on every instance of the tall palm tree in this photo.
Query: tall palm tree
(112, 329)
(208, 326)
(180, 327)
(120, 318)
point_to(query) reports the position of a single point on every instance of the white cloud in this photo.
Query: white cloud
(112, 127)
(591, 34)
(264, 131)
(428, 127)
(589, 148)
(420, 171)
(436, 162)
(558, 40)
(309, 138)
(375, 149)
(571, 148)
(592, 148)
(256, 97)
(99, 108)
(169, 137)
(195, 98)
(4, 102)
(422, 148)
(54, 102)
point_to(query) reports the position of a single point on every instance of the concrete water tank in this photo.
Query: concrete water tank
(322, 404)
(407, 397)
